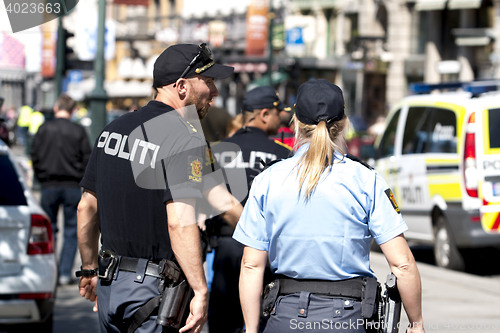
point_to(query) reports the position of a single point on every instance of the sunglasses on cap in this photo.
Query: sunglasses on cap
(204, 54)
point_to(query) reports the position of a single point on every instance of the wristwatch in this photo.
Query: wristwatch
(86, 272)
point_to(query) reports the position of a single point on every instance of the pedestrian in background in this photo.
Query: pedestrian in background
(313, 216)
(36, 120)
(261, 108)
(23, 123)
(60, 154)
(141, 225)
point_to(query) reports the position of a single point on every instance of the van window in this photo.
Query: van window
(415, 136)
(442, 132)
(430, 130)
(386, 147)
(494, 125)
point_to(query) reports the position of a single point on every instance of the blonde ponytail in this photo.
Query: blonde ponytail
(322, 138)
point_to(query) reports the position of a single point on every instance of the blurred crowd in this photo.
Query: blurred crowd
(19, 126)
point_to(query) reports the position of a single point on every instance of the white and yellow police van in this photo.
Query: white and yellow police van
(440, 154)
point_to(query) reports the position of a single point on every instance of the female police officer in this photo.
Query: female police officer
(314, 216)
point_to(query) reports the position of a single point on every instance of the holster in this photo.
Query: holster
(176, 293)
(173, 305)
(107, 263)
(269, 296)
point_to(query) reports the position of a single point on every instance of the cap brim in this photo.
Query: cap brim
(283, 107)
(218, 71)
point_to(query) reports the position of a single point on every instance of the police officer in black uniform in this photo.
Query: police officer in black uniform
(261, 108)
(147, 170)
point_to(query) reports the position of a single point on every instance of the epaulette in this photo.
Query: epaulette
(357, 159)
(283, 144)
(267, 165)
(191, 129)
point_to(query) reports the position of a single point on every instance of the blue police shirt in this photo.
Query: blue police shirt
(327, 237)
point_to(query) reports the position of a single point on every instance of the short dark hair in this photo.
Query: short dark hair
(64, 102)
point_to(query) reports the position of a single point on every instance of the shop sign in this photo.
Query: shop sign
(257, 28)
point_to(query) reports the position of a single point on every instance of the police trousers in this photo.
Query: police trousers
(306, 312)
(224, 310)
(120, 298)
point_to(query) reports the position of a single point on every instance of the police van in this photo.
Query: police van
(440, 153)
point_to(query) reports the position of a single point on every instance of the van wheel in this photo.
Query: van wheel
(446, 252)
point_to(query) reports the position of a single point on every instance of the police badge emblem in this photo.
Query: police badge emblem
(194, 169)
(389, 194)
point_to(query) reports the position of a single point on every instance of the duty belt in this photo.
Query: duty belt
(347, 288)
(130, 265)
(226, 231)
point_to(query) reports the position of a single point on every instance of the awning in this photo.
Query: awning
(276, 78)
(473, 36)
(117, 89)
(114, 89)
(430, 4)
(464, 4)
(13, 75)
(473, 41)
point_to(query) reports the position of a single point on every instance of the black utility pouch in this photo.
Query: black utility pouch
(269, 297)
(370, 298)
(107, 263)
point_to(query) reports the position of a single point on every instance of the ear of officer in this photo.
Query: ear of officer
(170, 74)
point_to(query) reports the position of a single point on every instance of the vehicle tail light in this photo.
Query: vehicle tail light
(41, 240)
(36, 296)
(475, 219)
(470, 169)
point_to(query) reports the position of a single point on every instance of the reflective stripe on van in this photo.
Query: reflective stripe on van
(443, 178)
(491, 221)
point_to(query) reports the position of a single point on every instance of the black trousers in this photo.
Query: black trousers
(119, 300)
(224, 309)
(306, 312)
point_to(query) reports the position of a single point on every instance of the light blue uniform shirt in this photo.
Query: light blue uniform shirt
(327, 237)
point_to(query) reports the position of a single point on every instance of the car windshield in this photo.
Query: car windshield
(11, 191)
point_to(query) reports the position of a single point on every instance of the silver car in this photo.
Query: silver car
(28, 270)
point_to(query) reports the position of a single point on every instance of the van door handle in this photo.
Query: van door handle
(396, 171)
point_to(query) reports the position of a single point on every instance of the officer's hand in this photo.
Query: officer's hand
(88, 288)
(197, 314)
(419, 329)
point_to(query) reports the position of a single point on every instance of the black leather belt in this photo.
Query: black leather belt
(226, 230)
(346, 288)
(130, 265)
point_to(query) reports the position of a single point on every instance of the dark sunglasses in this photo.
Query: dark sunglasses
(204, 54)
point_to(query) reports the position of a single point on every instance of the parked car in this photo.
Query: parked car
(28, 270)
(440, 154)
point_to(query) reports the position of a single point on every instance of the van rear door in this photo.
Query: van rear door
(489, 169)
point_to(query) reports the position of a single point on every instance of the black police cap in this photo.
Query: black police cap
(319, 100)
(262, 98)
(171, 64)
